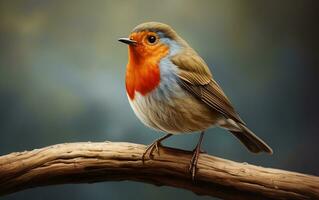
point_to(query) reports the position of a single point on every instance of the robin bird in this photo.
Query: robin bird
(171, 89)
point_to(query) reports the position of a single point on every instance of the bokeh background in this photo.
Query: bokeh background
(62, 80)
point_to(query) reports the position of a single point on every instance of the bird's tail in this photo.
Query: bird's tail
(247, 137)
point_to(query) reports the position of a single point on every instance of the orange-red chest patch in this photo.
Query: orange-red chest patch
(142, 79)
(143, 72)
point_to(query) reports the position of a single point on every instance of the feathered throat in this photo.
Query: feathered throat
(143, 72)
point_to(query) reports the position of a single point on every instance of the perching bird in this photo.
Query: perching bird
(171, 89)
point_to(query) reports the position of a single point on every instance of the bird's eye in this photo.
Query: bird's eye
(151, 39)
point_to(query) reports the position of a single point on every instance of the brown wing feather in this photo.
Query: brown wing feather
(193, 68)
(196, 78)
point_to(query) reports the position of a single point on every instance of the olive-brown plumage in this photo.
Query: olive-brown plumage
(171, 89)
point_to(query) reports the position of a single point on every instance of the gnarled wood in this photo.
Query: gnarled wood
(108, 161)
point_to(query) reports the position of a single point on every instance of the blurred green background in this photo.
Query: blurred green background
(62, 80)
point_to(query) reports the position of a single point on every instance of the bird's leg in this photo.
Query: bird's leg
(154, 146)
(194, 160)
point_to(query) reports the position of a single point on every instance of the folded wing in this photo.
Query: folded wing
(196, 78)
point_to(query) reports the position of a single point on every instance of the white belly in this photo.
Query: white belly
(176, 114)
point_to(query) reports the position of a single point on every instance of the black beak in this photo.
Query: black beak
(127, 41)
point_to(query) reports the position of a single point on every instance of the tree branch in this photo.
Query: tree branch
(108, 161)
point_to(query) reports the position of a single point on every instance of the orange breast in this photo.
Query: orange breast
(143, 73)
(142, 79)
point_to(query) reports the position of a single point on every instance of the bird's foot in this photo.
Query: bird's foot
(154, 146)
(193, 163)
(150, 149)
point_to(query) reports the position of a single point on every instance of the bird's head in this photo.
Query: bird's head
(151, 41)
(148, 44)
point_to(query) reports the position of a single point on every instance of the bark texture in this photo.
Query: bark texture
(115, 161)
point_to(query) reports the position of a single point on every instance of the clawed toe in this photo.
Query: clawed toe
(154, 147)
(193, 164)
(194, 160)
(150, 149)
